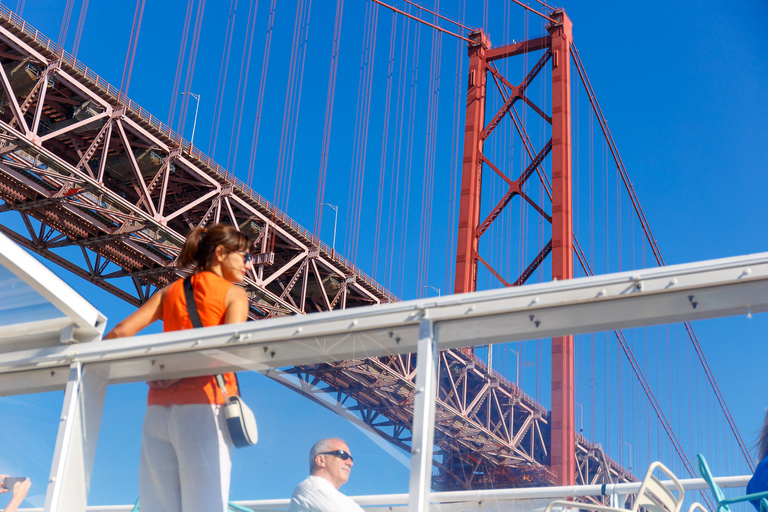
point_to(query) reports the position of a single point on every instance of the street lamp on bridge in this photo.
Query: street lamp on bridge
(194, 123)
(335, 218)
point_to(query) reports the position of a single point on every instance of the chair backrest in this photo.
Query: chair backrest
(698, 506)
(654, 496)
(706, 474)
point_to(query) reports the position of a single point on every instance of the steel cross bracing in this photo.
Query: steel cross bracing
(107, 191)
(488, 432)
(97, 173)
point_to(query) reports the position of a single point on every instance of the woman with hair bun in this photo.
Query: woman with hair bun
(185, 449)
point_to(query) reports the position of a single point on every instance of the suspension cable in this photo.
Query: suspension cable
(395, 9)
(545, 5)
(214, 137)
(191, 63)
(180, 62)
(65, 23)
(534, 11)
(654, 247)
(329, 102)
(80, 24)
(242, 89)
(262, 88)
(435, 14)
(128, 68)
(384, 147)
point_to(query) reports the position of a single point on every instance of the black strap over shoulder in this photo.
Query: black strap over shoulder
(194, 317)
(189, 294)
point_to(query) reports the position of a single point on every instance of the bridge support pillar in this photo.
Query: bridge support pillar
(563, 432)
(472, 167)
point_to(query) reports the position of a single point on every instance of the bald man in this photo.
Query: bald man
(330, 464)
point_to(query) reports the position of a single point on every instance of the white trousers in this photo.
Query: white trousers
(185, 459)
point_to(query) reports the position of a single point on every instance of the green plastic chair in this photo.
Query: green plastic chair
(722, 502)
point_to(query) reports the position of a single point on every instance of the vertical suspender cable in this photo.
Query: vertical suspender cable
(242, 89)
(124, 82)
(223, 71)
(329, 100)
(409, 157)
(433, 90)
(127, 78)
(262, 88)
(365, 121)
(191, 62)
(180, 62)
(80, 25)
(291, 107)
(299, 79)
(362, 117)
(384, 147)
(280, 178)
(657, 253)
(65, 23)
(399, 121)
(455, 155)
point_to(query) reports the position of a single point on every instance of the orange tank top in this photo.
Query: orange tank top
(210, 293)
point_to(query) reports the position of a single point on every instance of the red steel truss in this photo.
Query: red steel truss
(106, 191)
(482, 64)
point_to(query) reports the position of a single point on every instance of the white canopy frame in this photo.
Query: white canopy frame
(81, 322)
(725, 287)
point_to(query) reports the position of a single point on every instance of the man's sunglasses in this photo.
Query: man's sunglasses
(340, 454)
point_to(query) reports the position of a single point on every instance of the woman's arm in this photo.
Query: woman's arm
(151, 311)
(236, 302)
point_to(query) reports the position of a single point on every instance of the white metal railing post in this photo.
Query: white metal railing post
(423, 419)
(78, 433)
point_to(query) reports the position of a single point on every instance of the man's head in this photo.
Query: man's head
(330, 459)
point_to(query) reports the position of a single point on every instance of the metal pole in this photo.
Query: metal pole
(630, 455)
(335, 219)
(423, 419)
(517, 359)
(436, 289)
(194, 124)
(581, 422)
(490, 359)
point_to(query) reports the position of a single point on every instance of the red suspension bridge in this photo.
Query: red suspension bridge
(105, 189)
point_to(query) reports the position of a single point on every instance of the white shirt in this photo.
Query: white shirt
(316, 494)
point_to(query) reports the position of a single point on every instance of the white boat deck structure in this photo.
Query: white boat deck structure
(67, 352)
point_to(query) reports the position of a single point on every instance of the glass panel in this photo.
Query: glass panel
(289, 425)
(19, 303)
(30, 425)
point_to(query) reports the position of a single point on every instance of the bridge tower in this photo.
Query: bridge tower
(481, 63)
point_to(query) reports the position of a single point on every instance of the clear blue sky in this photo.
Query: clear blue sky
(682, 85)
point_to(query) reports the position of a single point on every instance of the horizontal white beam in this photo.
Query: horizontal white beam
(725, 287)
(486, 497)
